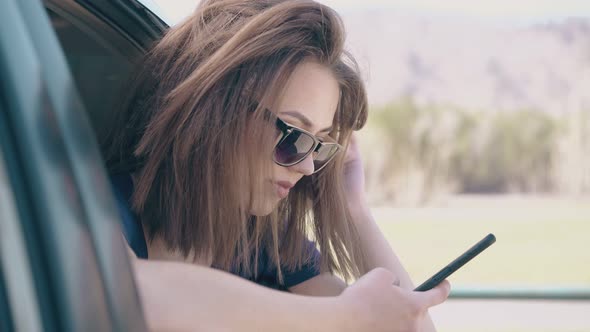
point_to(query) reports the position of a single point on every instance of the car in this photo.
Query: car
(63, 262)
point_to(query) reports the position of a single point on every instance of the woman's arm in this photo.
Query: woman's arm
(186, 297)
(380, 254)
(325, 284)
(183, 297)
(377, 250)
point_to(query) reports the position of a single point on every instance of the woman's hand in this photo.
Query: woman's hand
(354, 177)
(378, 305)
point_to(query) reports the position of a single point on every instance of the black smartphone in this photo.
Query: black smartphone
(457, 263)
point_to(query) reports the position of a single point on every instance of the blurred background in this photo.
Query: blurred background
(480, 123)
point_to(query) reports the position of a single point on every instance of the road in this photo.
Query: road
(512, 315)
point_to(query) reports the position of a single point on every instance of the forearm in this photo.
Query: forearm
(380, 254)
(181, 297)
(377, 249)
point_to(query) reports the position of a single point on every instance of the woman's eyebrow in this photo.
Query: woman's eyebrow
(305, 121)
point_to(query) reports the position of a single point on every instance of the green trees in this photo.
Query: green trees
(415, 152)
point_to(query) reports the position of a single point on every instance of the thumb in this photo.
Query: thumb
(435, 296)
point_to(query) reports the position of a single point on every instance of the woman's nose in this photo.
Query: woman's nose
(306, 166)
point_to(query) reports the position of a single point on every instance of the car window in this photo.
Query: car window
(101, 42)
(100, 58)
(5, 314)
(97, 67)
(18, 298)
(64, 257)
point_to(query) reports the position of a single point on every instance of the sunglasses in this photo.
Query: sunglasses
(295, 144)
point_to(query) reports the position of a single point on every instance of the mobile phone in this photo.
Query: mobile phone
(457, 263)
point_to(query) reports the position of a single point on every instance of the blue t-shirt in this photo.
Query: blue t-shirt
(266, 273)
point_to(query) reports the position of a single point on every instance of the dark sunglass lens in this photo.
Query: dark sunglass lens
(324, 154)
(293, 148)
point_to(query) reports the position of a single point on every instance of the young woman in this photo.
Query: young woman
(233, 152)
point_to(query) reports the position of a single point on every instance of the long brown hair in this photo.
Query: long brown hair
(192, 131)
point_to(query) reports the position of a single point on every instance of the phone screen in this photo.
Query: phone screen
(457, 263)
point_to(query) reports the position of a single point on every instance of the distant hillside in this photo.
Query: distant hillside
(476, 65)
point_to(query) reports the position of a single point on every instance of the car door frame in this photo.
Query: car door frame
(76, 250)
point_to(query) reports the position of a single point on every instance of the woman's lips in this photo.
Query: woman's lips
(282, 188)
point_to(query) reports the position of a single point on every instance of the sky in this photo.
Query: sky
(505, 10)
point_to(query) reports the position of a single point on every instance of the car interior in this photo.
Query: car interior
(100, 56)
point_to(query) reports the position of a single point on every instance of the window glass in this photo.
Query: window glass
(5, 313)
(98, 69)
(17, 290)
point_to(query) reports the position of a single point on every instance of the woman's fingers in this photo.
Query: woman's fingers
(434, 296)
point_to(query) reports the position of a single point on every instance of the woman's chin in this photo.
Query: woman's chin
(262, 209)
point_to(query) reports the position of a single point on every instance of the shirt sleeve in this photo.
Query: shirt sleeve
(132, 230)
(307, 271)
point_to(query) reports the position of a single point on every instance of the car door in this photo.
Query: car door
(75, 254)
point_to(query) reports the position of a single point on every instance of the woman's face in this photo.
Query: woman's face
(309, 102)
